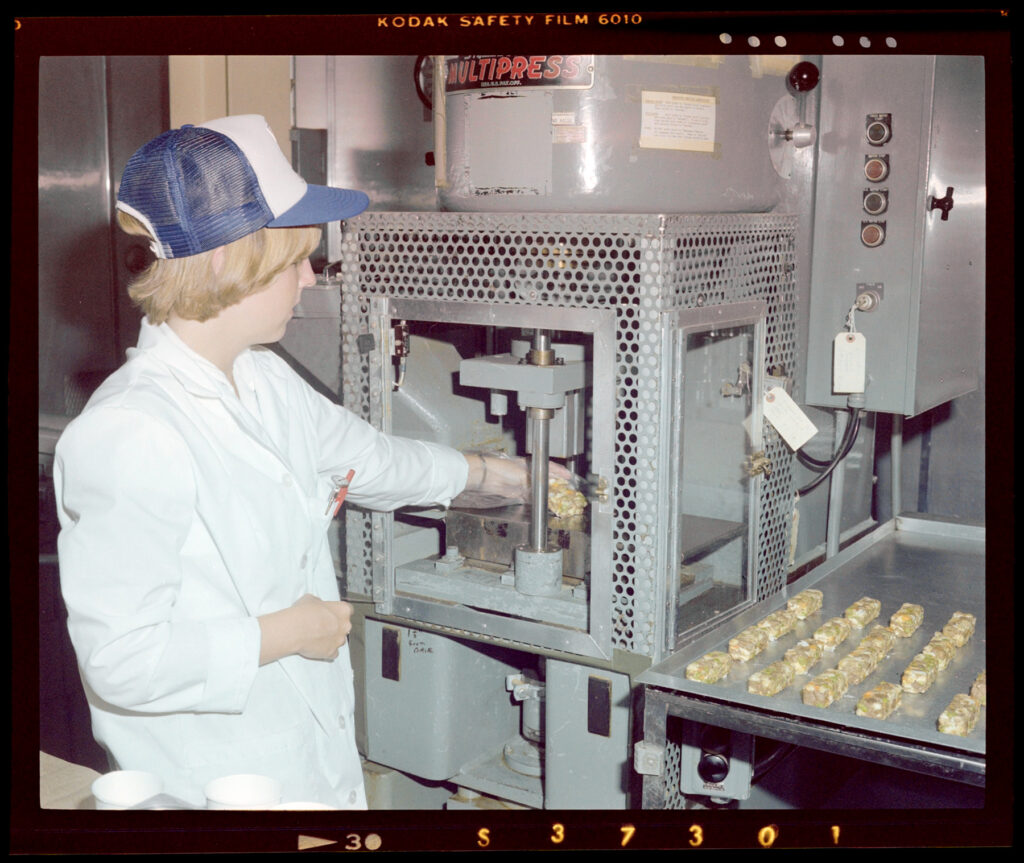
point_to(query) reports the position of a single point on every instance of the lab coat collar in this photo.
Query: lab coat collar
(196, 373)
(202, 379)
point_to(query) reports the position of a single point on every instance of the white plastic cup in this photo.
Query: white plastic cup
(124, 788)
(243, 791)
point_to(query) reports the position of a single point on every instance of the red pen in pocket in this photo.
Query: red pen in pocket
(338, 493)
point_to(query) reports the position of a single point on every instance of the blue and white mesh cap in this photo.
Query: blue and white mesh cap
(200, 187)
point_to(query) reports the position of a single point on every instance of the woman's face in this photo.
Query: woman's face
(264, 316)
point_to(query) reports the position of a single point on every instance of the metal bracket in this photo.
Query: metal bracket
(945, 204)
(648, 758)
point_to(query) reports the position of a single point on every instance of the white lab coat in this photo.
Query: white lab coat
(187, 511)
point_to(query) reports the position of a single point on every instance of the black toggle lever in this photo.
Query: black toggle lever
(945, 204)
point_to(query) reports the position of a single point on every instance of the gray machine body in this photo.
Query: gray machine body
(667, 312)
(563, 214)
(640, 284)
(626, 134)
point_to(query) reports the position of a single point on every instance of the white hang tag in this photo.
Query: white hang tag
(849, 353)
(786, 417)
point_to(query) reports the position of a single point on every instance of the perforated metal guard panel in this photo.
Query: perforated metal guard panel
(674, 797)
(639, 265)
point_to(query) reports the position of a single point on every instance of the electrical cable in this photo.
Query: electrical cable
(852, 430)
(417, 77)
(849, 435)
(848, 440)
(781, 752)
(818, 465)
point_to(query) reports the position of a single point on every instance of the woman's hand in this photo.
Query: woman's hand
(313, 628)
(496, 479)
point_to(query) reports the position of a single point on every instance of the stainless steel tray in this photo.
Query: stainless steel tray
(938, 565)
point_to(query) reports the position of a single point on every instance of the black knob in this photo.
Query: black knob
(803, 77)
(713, 767)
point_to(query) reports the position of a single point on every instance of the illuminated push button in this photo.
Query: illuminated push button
(876, 168)
(713, 768)
(872, 234)
(878, 132)
(876, 202)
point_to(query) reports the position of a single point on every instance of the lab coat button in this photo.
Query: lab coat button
(341, 722)
(303, 561)
(352, 796)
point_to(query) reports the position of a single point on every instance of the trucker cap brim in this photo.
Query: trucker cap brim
(322, 204)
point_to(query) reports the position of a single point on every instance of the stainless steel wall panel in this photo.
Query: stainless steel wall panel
(93, 113)
(76, 299)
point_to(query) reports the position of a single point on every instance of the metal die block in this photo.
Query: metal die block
(537, 386)
(492, 536)
(489, 590)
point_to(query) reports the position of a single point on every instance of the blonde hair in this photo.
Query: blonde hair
(190, 288)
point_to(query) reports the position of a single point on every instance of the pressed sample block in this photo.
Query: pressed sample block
(863, 611)
(880, 640)
(960, 716)
(960, 628)
(709, 668)
(879, 701)
(833, 632)
(748, 643)
(978, 692)
(825, 688)
(778, 623)
(857, 664)
(804, 655)
(921, 673)
(771, 679)
(906, 619)
(943, 648)
(805, 603)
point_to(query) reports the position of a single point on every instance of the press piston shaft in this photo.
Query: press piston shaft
(538, 570)
(540, 419)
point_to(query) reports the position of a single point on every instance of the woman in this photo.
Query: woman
(193, 488)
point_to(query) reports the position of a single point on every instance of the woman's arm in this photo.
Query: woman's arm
(126, 496)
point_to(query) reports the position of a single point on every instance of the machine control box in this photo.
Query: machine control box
(902, 141)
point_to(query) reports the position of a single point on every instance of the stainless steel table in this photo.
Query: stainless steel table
(938, 565)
